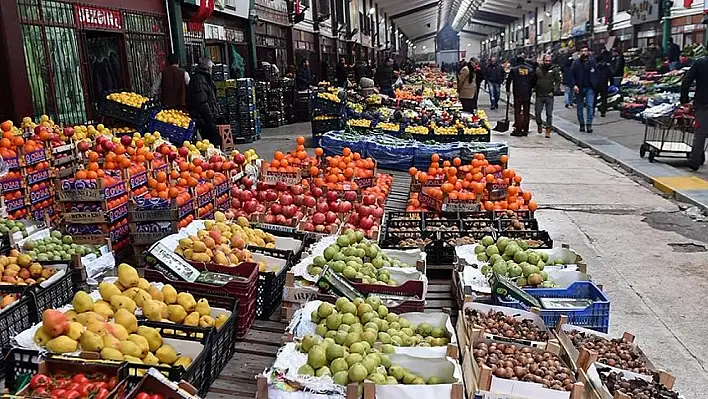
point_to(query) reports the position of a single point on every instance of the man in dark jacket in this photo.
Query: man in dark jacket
(699, 74)
(201, 101)
(617, 67)
(546, 79)
(342, 73)
(649, 57)
(583, 77)
(674, 55)
(522, 78)
(567, 84)
(302, 77)
(494, 75)
(171, 84)
(384, 78)
(479, 78)
(604, 75)
(361, 70)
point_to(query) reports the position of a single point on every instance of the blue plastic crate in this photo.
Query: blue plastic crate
(175, 134)
(594, 317)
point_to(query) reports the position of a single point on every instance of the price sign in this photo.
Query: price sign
(37, 177)
(428, 201)
(460, 206)
(497, 191)
(364, 182)
(34, 157)
(39, 195)
(138, 180)
(437, 182)
(11, 185)
(284, 177)
(80, 195)
(173, 262)
(415, 187)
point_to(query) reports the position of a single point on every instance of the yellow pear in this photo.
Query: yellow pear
(131, 292)
(127, 320)
(220, 320)
(141, 296)
(192, 319)
(111, 354)
(151, 359)
(143, 284)
(203, 307)
(183, 361)
(104, 309)
(153, 337)
(91, 342)
(156, 293)
(86, 317)
(75, 330)
(97, 327)
(132, 359)
(70, 314)
(166, 354)
(177, 313)
(41, 337)
(127, 275)
(62, 344)
(107, 290)
(152, 310)
(110, 341)
(123, 302)
(130, 348)
(163, 310)
(82, 302)
(169, 294)
(186, 300)
(117, 331)
(141, 342)
(206, 322)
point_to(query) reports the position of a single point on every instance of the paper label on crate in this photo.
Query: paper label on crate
(118, 233)
(174, 262)
(15, 204)
(85, 217)
(62, 148)
(285, 177)
(80, 195)
(364, 182)
(205, 199)
(38, 214)
(115, 190)
(33, 157)
(38, 176)
(428, 201)
(222, 188)
(299, 294)
(118, 212)
(11, 185)
(437, 182)
(40, 195)
(12, 163)
(460, 206)
(138, 180)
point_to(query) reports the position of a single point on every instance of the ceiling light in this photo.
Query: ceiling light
(372, 10)
(400, 35)
(571, 5)
(518, 27)
(531, 21)
(414, 46)
(502, 34)
(424, 47)
(548, 14)
(469, 44)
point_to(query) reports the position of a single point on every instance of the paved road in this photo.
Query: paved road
(649, 255)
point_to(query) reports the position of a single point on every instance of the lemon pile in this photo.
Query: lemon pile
(174, 117)
(388, 126)
(329, 96)
(417, 129)
(128, 98)
(359, 122)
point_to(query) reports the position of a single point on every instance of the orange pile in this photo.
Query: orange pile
(342, 169)
(290, 161)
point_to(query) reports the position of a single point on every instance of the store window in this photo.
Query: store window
(601, 5)
(217, 53)
(623, 5)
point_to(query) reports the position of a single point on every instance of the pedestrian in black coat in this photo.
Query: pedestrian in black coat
(302, 77)
(201, 101)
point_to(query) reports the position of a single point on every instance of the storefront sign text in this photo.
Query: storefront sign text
(643, 11)
(92, 17)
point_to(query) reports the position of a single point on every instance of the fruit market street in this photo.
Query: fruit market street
(637, 243)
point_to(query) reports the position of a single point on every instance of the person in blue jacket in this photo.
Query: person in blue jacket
(584, 79)
(302, 77)
(567, 87)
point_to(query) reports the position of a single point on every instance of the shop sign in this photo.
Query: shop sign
(214, 32)
(642, 11)
(234, 35)
(94, 17)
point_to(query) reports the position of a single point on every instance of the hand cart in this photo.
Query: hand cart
(668, 136)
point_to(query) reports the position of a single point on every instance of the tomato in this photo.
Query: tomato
(61, 382)
(86, 389)
(156, 396)
(101, 385)
(39, 380)
(73, 386)
(71, 394)
(57, 393)
(102, 394)
(41, 391)
(143, 395)
(80, 379)
(112, 382)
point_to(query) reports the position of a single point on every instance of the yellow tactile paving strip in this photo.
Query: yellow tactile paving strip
(669, 184)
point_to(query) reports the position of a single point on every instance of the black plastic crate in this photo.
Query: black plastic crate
(402, 225)
(521, 214)
(393, 240)
(58, 293)
(476, 215)
(327, 106)
(529, 224)
(19, 366)
(327, 125)
(17, 317)
(428, 216)
(457, 238)
(271, 284)
(404, 215)
(542, 238)
(480, 224)
(441, 225)
(136, 116)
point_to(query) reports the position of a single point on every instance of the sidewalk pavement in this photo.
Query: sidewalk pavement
(617, 140)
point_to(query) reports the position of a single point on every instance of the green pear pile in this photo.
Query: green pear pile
(356, 258)
(513, 259)
(343, 345)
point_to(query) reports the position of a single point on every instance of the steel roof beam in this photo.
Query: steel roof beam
(415, 10)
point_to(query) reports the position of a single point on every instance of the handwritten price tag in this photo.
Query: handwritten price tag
(364, 182)
(460, 206)
(284, 177)
(428, 201)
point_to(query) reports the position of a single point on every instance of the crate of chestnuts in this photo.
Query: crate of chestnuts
(606, 382)
(502, 367)
(481, 321)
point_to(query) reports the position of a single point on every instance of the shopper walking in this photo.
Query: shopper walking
(521, 77)
(384, 78)
(201, 101)
(617, 67)
(674, 55)
(569, 96)
(494, 75)
(547, 78)
(699, 74)
(604, 74)
(171, 85)
(342, 73)
(302, 77)
(583, 79)
(478, 79)
(467, 87)
(649, 57)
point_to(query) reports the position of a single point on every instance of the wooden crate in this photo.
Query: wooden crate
(295, 297)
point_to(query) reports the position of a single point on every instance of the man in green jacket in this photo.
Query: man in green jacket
(546, 80)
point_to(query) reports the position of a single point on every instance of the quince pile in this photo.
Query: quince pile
(329, 96)
(109, 326)
(128, 98)
(174, 117)
(19, 269)
(359, 122)
(224, 242)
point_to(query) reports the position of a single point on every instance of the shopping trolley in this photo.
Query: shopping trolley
(669, 136)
